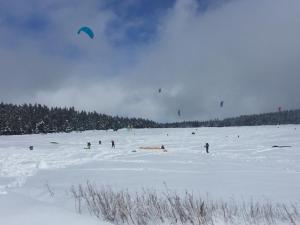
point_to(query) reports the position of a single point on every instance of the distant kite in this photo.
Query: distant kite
(86, 30)
(221, 103)
(178, 112)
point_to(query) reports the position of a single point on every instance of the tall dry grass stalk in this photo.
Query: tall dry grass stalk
(150, 207)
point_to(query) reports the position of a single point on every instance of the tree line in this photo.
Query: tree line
(37, 118)
(273, 118)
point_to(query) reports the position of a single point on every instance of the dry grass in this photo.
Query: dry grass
(149, 207)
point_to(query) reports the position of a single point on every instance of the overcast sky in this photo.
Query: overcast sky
(199, 52)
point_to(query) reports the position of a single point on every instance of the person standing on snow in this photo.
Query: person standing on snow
(88, 145)
(206, 147)
(112, 144)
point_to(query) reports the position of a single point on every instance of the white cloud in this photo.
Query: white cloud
(243, 52)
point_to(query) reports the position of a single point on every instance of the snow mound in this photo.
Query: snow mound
(43, 165)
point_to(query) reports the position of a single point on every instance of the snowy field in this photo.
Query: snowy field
(34, 185)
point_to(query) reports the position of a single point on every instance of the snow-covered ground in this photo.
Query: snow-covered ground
(244, 167)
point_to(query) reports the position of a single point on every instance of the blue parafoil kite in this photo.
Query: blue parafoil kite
(86, 30)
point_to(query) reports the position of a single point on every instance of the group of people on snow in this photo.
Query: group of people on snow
(114, 146)
(100, 142)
